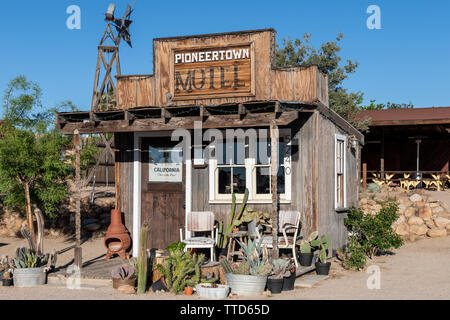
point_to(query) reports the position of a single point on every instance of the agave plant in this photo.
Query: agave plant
(124, 272)
(28, 258)
(253, 253)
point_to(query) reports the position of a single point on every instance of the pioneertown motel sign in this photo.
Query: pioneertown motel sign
(213, 70)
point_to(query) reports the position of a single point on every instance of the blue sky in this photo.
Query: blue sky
(408, 60)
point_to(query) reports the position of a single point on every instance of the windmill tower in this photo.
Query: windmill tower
(108, 57)
(104, 96)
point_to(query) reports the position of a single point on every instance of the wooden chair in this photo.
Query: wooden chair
(288, 226)
(200, 221)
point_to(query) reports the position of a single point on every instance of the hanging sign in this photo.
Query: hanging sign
(213, 71)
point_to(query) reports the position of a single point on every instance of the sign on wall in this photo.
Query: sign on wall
(166, 172)
(213, 71)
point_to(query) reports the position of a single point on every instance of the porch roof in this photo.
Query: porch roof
(229, 115)
(409, 116)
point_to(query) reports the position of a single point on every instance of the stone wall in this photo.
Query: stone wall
(420, 215)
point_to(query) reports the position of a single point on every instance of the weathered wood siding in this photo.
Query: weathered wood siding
(305, 84)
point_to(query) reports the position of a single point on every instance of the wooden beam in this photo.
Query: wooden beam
(274, 136)
(158, 124)
(204, 113)
(76, 143)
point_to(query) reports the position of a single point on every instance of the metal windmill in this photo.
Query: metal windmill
(109, 46)
(104, 95)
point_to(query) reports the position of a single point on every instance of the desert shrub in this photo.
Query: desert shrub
(370, 235)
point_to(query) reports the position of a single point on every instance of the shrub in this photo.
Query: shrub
(370, 235)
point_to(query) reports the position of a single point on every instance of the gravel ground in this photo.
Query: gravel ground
(415, 271)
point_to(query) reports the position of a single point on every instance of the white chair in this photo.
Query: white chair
(200, 221)
(288, 225)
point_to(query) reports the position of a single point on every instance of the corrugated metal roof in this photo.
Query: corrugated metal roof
(410, 115)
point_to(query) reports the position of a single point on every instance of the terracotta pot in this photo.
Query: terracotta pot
(235, 229)
(188, 291)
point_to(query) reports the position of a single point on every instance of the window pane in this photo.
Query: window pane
(263, 152)
(280, 181)
(224, 180)
(238, 179)
(239, 152)
(263, 180)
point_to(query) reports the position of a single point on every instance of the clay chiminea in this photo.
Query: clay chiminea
(117, 240)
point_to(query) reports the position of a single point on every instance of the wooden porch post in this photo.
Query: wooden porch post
(77, 253)
(382, 155)
(364, 172)
(274, 182)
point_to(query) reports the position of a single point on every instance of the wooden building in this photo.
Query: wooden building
(219, 82)
(413, 141)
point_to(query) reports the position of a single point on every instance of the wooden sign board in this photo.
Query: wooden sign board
(213, 71)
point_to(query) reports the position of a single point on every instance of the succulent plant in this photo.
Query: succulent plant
(253, 253)
(123, 273)
(27, 258)
(323, 244)
(281, 269)
(306, 245)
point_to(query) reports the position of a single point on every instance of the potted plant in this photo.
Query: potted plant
(29, 268)
(279, 272)
(322, 266)
(7, 279)
(233, 223)
(188, 290)
(180, 269)
(254, 220)
(249, 277)
(124, 275)
(306, 254)
(212, 290)
(289, 282)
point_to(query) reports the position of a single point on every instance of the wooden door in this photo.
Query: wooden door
(163, 191)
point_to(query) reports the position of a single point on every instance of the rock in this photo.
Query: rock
(400, 220)
(448, 227)
(438, 209)
(433, 204)
(425, 212)
(415, 197)
(362, 202)
(411, 211)
(402, 229)
(420, 204)
(127, 289)
(401, 208)
(441, 223)
(412, 238)
(92, 227)
(429, 223)
(419, 230)
(371, 202)
(435, 233)
(378, 207)
(415, 220)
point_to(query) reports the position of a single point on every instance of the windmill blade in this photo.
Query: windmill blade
(127, 12)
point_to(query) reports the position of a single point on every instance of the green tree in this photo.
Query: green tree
(388, 105)
(31, 169)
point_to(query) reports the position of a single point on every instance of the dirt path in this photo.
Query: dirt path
(416, 271)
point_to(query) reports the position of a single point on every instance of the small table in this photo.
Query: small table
(232, 237)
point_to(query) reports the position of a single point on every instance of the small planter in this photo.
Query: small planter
(275, 285)
(188, 291)
(159, 285)
(117, 283)
(29, 277)
(235, 229)
(246, 285)
(305, 259)
(7, 282)
(207, 290)
(288, 282)
(323, 268)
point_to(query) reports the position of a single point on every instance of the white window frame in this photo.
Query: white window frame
(340, 137)
(250, 178)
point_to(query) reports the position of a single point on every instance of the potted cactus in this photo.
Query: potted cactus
(306, 254)
(7, 279)
(281, 269)
(124, 275)
(322, 266)
(289, 281)
(249, 277)
(181, 270)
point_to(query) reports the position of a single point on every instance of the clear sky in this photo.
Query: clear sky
(407, 60)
